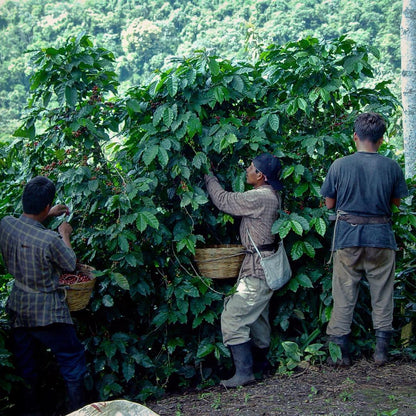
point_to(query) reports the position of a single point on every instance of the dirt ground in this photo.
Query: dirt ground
(363, 389)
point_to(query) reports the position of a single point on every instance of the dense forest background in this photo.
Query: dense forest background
(146, 35)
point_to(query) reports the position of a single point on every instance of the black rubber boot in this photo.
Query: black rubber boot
(344, 343)
(261, 365)
(76, 395)
(382, 345)
(243, 361)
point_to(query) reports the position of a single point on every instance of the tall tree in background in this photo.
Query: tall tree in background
(408, 50)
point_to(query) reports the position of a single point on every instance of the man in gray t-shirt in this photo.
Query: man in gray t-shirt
(362, 187)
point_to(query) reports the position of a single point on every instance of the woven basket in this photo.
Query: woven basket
(78, 294)
(220, 261)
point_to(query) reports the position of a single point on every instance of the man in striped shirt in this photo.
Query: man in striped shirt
(37, 310)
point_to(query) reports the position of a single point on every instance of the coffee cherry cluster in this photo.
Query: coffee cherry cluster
(81, 131)
(95, 97)
(70, 278)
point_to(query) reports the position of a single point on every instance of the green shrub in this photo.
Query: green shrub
(131, 170)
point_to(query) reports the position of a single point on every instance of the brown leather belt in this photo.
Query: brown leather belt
(263, 247)
(359, 220)
(267, 247)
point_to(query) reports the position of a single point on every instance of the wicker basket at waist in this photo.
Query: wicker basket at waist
(220, 261)
(78, 293)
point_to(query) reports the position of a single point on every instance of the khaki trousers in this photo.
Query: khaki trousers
(350, 265)
(246, 313)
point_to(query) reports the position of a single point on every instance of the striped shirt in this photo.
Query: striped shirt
(258, 209)
(35, 257)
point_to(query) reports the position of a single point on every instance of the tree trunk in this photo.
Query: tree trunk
(408, 52)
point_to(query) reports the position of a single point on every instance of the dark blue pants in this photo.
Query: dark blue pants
(62, 341)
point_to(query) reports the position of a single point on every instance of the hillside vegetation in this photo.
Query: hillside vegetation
(144, 35)
(130, 166)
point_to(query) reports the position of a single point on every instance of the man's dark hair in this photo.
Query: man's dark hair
(38, 193)
(370, 126)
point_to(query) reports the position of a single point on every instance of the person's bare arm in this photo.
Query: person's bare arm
(58, 210)
(395, 201)
(65, 230)
(330, 202)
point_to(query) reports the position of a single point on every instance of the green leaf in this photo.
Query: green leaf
(274, 122)
(320, 226)
(133, 105)
(151, 220)
(162, 317)
(219, 94)
(150, 154)
(71, 96)
(408, 219)
(293, 285)
(284, 228)
(292, 108)
(163, 157)
(158, 114)
(214, 67)
(350, 64)
(297, 250)
(172, 85)
(168, 116)
(188, 242)
(51, 51)
(93, 185)
(120, 280)
(314, 189)
(314, 348)
(292, 350)
(128, 370)
(123, 243)
(142, 359)
(175, 342)
(301, 189)
(227, 141)
(26, 132)
(334, 351)
(301, 220)
(130, 259)
(308, 249)
(296, 227)
(200, 159)
(304, 280)
(238, 182)
(46, 98)
(141, 222)
(287, 171)
(146, 218)
(108, 301)
(325, 95)
(194, 126)
(205, 349)
(238, 83)
(302, 104)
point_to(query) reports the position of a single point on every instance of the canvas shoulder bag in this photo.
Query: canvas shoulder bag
(276, 267)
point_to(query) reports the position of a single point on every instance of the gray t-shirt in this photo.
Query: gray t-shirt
(364, 184)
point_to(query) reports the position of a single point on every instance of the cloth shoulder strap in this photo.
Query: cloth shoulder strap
(254, 245)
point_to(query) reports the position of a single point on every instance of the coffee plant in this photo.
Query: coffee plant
(130, 167)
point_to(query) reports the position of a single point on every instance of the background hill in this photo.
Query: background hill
(144, 35)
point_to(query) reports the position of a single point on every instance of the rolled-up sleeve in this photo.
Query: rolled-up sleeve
(63, 256)
(233, 203)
